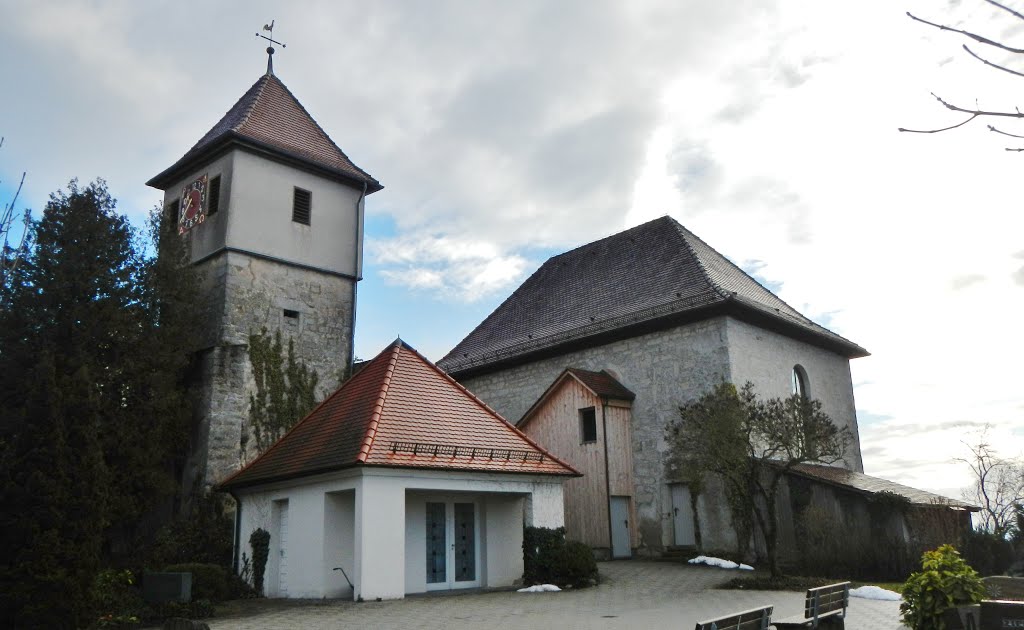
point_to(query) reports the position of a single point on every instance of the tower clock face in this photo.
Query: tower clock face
(193, 205)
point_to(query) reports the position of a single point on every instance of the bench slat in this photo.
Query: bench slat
(753, 619)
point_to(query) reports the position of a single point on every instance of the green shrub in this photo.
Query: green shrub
(575, 565)
(549, 559)
(209, 581)
(260, 542)
(944, 582)
(116, 599)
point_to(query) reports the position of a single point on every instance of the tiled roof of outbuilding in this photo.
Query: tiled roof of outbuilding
(400, 411)
(603, 384)
(866, 484)
(648, 275)
(269, 117)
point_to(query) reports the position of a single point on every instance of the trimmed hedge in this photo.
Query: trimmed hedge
(549, 559)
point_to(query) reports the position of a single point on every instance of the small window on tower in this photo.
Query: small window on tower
(301, 203)
(291, 317)
(588, 425)
(213, 196)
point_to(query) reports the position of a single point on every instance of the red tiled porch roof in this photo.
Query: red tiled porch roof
(400, 411)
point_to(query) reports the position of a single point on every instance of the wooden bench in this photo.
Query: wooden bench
(824, 602)
(753, 619)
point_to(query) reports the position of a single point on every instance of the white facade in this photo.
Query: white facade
(373, 523)
(255, 214)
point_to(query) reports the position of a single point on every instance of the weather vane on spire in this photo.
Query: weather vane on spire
(270, 49)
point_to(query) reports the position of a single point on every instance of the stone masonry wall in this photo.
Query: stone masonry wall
(664, 369)
(246, 294)
(766, 359)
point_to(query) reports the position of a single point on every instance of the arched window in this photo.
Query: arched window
(800, 382)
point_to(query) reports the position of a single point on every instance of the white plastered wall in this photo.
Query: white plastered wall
(370, 521)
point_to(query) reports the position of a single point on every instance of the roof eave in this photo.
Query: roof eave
(229, 485)
(232, 139)
(728, 307)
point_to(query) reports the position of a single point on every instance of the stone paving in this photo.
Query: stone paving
(633, 594)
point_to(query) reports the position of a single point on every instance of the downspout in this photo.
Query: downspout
(607, 477)
(238, 531)
(358, 273)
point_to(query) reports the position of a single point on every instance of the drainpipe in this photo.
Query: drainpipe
(238, 531)
(607, 477)
(358, 269)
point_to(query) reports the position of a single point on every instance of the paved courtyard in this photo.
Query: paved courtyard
(633, 594)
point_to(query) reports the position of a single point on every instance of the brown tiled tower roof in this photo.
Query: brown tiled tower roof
(400, 411)
(270, 120)
(652, 276)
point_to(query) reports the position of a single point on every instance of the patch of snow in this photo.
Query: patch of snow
(875, 592)
(718, 562)
(539, 588)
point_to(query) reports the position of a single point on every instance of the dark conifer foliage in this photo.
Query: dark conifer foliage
(93, 408)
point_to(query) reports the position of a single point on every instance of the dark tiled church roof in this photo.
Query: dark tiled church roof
(269, 117)
(655, 274)
(400, 411)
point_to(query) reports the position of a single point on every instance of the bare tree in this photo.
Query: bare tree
(751, 444)
(998, 486)
(976, 111)
(10, 255)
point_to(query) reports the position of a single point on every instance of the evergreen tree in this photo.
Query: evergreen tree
(93, 408)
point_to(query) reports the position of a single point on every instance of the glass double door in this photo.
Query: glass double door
(453, 548)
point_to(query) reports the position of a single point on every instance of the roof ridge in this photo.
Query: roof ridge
(321, 129)
(732, 294)
(262, 83)
(371, 428)
(491, 411)
(680, 229)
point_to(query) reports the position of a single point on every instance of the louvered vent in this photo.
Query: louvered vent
(301, 205)
(213, 196)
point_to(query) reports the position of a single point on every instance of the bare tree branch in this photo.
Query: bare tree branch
(989, 63)
(938, 130)
(1012, 135)
(978, 38)
(978, 112)
(1005, 8)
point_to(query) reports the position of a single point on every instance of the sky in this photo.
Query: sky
(505, 133)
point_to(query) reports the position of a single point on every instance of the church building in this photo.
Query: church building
(411, 475)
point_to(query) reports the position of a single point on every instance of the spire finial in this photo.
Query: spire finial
(270, 49)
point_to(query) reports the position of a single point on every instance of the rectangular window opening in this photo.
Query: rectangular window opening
(301, 203)
(213, 198)
(588, 425)
(291, 316)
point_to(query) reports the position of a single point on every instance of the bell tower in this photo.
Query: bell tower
(273, 212)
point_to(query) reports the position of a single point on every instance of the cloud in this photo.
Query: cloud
(962, 282)
(448, 268)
